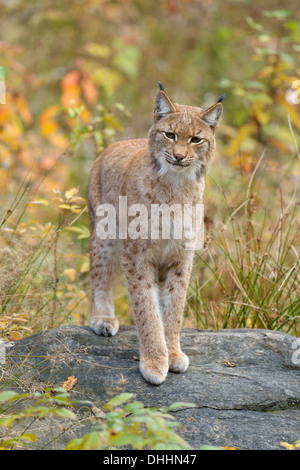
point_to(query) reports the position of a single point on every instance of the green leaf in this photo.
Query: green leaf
(28, 437)
(7, 422)
(83, 231)
(279, 14)
(180, 404)
(122, 439)
(127, 58)
(8, 395)
(92, 441)
(119, 400)
(3, 73)
(210, 448)
(65, 413)
(286, 57)
(254, 84)
(168, 446)
(74, 444)
(135, 406)
(253, 24)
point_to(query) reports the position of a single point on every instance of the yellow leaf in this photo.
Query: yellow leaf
(71, 273)
(288, 446)
(48, 128)
(243, 133)
(21, 319)
(64, 206)
(70, 383)
(74, 209)
(258, 111)
(291, 110)
(13, 336)
(3, 324)
(44, 202)
(85, 267)
(71, 192)
(97, 50)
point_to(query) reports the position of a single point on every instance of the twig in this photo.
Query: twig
(55, 274)
(293, 135)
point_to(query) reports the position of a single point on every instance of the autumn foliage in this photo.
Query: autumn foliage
(86, 76)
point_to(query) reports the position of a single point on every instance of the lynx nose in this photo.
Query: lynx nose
(179, 157)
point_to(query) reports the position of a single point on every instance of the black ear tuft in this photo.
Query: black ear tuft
(161, 87)
(221, 98)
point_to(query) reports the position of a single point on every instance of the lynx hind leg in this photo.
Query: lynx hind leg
(104, 262)
(174, 293)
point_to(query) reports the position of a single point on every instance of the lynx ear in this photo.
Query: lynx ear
(212, 115)
(163, 104)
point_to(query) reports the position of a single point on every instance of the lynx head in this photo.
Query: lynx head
(182, 138)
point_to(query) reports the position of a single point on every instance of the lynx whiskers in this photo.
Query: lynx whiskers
(165, 170)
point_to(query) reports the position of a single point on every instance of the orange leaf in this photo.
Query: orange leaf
(49, 127)
(71, 273)
(71, 79)
(71, 96)
(281, 145)
(89, 90)
(48, 113)
(23, 109)
(70, 383)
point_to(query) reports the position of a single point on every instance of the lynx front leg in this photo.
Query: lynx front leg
(104, 262)
(173, 297)
(153, 350)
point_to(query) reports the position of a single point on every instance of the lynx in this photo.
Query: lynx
(167, 168)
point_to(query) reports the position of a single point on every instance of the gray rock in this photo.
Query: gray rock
(253, 405)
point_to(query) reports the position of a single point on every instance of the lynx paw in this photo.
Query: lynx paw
(106, 326)
(154, 371)
(178, 362)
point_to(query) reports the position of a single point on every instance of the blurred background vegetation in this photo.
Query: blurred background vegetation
(81, 74)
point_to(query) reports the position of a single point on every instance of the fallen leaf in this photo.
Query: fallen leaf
(70, 383)
(288, 446)
(230, 364)
(98, 413)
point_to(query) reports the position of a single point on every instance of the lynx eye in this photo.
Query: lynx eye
(170, 135)
(196, 140)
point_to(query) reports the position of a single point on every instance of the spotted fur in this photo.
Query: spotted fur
(167, 168)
